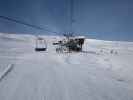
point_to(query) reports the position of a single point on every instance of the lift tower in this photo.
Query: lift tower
(71, 16)
(70, 32)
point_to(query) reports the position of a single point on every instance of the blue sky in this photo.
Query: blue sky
(100, 19)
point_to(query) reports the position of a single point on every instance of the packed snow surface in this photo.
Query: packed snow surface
(103, 71)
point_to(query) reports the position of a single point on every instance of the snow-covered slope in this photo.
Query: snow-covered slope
(103, 71)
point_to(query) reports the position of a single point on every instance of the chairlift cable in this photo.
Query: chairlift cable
(27, 24)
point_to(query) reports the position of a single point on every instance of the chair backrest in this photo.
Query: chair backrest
(41, 43)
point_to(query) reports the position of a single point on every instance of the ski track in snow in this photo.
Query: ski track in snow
(91, 75)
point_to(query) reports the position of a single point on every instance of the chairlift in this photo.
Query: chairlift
(41, 44)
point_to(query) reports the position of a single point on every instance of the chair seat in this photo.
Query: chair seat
(40, 49)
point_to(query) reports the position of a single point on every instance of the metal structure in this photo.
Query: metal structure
(71, 16)
(70, 32)
(71, 44)
(41, 44)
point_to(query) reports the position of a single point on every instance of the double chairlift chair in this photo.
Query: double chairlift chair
(41, 44)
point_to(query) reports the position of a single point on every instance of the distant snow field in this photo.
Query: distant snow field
(103, 71)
